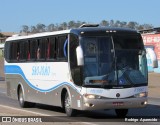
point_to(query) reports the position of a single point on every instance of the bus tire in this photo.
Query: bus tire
(67, 105)
(21, 100)
(121, 113)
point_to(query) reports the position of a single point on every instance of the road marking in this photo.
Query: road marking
(42, 114)
(25, 110)
(3, 92)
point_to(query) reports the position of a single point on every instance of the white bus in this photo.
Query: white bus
(87, 68)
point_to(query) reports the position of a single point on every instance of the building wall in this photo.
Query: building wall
(152, 41)
(2, 40)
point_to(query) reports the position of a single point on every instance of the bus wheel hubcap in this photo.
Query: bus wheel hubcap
(67, 103)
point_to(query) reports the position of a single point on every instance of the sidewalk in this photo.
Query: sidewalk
(154, 85)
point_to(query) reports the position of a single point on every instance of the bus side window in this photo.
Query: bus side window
(41, 49)
(48, 48)
(29, 56)
(76, 71)
(18, 55)
(7, 51)
(33, 49)
(38, 49)
(65, 48)
(38, 53)
(18, 52)
(28, 51)
(13, 52)
(23, 50)
(52, 49)
(61, 43)
(43, 44)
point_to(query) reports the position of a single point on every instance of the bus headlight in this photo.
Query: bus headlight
(142, 94)
(91, 96)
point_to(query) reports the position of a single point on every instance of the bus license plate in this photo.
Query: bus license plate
(118, 103)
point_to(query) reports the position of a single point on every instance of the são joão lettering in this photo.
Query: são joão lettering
(40, 70)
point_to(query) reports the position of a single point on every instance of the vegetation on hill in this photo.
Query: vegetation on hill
(75, 24)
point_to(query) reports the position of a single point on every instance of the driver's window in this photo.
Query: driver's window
(75, 69)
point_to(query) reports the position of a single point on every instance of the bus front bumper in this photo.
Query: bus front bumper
(98, 104)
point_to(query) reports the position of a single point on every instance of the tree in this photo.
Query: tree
(56, 26)
(111, 23)
(41, 27)
(132, 25)
(78, 24)
(117, 23)
(34, 29)
(123, 24)
(140, 27)
(104, 23)
(71, 24)
(147, 26)
(50, 27)
(64, 26)
(25, 29)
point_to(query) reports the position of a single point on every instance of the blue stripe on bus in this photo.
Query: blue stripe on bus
(13, 69)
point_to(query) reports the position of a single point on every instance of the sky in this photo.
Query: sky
(16, 13)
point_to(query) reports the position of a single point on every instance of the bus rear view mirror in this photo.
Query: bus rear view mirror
(155, 64)
(153, 57)
(80, 60)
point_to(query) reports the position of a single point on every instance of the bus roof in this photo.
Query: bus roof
(77, 31)
(18, 37)
(105, 30)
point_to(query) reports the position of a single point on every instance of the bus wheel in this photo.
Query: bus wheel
(22, 103)
(121, 113)
(67, 104)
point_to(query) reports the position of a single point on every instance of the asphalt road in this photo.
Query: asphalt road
(10, 107)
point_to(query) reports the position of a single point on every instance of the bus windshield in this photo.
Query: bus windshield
(114, 61)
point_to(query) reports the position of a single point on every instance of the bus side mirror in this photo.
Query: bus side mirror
(155, 64)
(79, 52)
(153, 57)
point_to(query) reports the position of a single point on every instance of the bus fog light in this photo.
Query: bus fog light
(144, 103)
(89, 105)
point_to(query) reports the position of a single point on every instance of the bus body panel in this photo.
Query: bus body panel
(42, 83)
(126, 103)
(107, 98)
(52, 97)
(111, 93)
(78, 100)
